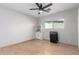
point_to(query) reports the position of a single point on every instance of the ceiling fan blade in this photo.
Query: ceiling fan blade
(47, 10)
(34, 9)
(40, 5)
(37, 4)
(47, 5)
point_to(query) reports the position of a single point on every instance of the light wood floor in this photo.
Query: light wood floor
(39, 47)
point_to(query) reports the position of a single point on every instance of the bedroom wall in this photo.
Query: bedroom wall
(67, 35)
(15, 27)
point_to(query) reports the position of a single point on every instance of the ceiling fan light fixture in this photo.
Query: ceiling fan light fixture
(40, 11)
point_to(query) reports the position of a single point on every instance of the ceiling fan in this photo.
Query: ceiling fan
(42, 8)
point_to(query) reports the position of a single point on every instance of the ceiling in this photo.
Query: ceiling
(24, 8)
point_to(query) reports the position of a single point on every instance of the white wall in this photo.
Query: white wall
(69, 33)
(15, 27)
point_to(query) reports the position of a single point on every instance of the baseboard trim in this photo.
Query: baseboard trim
(63, 43)
(16, 43)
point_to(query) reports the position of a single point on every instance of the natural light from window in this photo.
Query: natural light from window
(57, 24)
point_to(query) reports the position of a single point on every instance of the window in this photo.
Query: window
(54, 24)
(48, 25)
